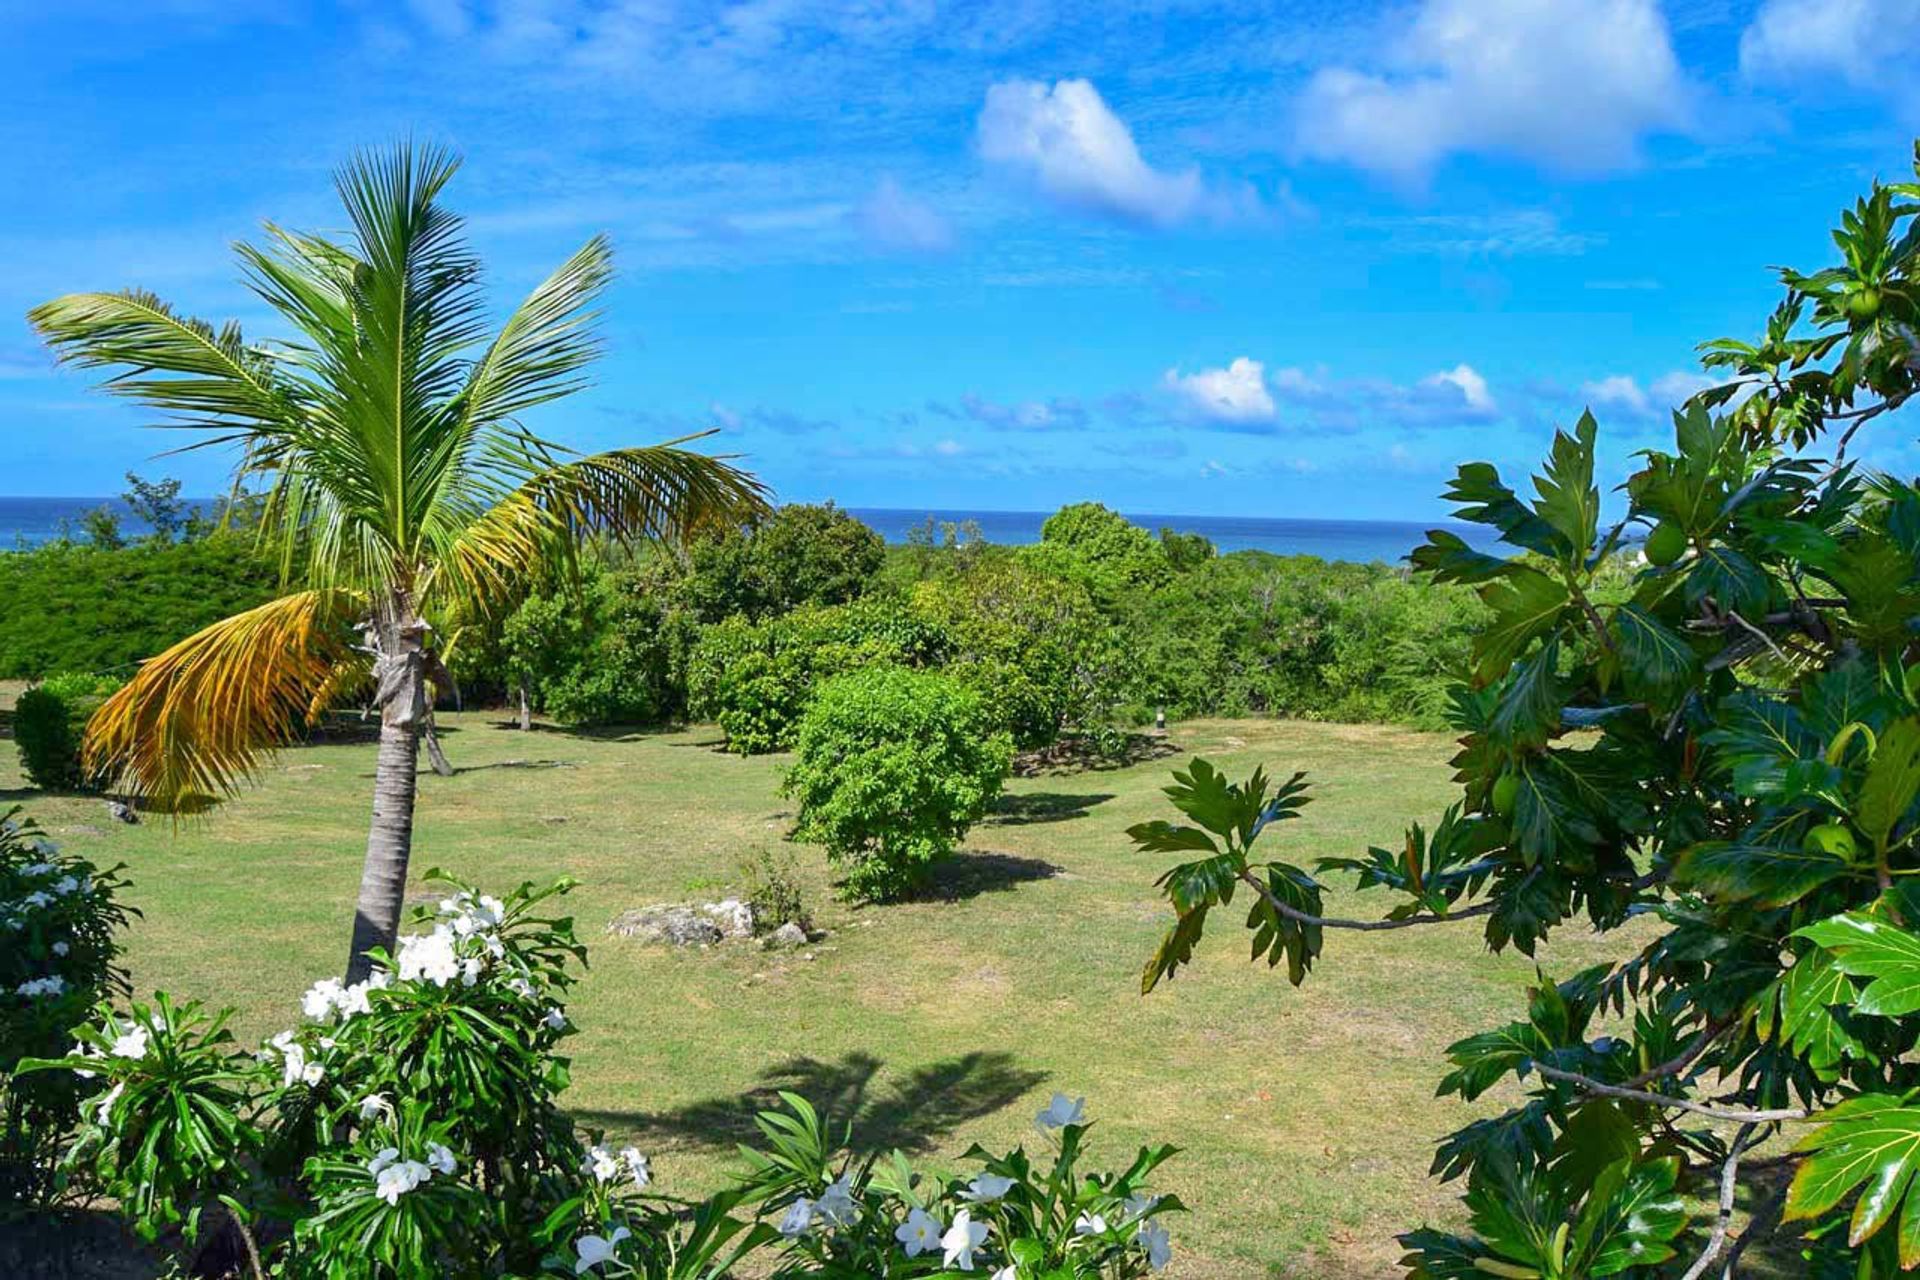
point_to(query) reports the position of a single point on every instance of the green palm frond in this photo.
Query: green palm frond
(660, 492)
(211, 378)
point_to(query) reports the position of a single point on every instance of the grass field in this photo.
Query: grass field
(1307, 1116)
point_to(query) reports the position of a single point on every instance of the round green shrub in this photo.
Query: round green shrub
(891, 768)
(49, 721)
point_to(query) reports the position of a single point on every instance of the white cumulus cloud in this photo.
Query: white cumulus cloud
(1236, 395)
(1572, 85)
(896, 220)
(1069, 143)
(1867, 43)
(1468, 382)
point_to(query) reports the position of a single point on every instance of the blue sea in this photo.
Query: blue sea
(31, 521)
(1362, 541)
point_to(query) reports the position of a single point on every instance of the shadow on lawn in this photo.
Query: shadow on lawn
(911, 1114)
(972, 873)
(1031, 807)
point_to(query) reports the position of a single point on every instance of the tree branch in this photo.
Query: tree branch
(1729, 1182)
(1729, 1114)
(1365, 926)
(1673, 1067)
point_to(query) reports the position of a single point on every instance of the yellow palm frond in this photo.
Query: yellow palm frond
(195, 722)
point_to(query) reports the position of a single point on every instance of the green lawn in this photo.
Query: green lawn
(1307, 1116)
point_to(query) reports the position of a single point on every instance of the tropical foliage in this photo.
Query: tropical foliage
(1728, 754)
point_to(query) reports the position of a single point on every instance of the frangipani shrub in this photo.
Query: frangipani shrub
(409, 1125)
(842, 1217)
(59, 920)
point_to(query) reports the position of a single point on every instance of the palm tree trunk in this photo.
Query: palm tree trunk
(526, 711)
(397, 639)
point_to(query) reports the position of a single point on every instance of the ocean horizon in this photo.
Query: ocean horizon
(30, 522)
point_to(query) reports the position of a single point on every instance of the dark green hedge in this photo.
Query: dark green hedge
(74, 607)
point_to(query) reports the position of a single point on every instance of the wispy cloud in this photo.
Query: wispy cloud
(1868, 44)
(1571, 85)
(1061, 413)
(895, 220)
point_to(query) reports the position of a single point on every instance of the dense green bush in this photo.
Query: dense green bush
(800, 555)
(891, 767)
(756, 679)
(1297, 636)
(1034, 646)
(74, 607)
(602, 652)
(48, 723)
(1102, 550)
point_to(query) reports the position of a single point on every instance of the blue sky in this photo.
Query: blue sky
(1294, 259)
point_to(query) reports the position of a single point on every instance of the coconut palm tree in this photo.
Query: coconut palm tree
(399, 483)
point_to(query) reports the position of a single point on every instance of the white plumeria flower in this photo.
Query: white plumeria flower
(38, 899)
(38, 869)
(471, 968)
(375, 1104)
(836, 1206)
(594, 1250)
(637, 1167)
(986, 1188)
(61, 948)
(440, 1159)
(131, 1045)
(798, 1219)
(1155, 1239)
(51, 985)
(1090, 1224)
(920, 1233)
(44, 847)
(602, 1164)
(66, 885)
(961, 1239)
(322, 998)
(1008, 1272)
(430, 957)
(522, 988)
(381, 1159)
(555, 1019)
(294, 1067)
(398, 1178)
(86, 1051)
(104, 1108)
(1140, 1204)
(1061, 1112)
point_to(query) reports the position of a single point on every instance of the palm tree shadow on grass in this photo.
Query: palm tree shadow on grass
(910, 1114)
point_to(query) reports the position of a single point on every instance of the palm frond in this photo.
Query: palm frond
(196, 721)
(658, 492)
(210, 377)
(544, 343)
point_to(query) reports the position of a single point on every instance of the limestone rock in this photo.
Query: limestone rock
(674, 924)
